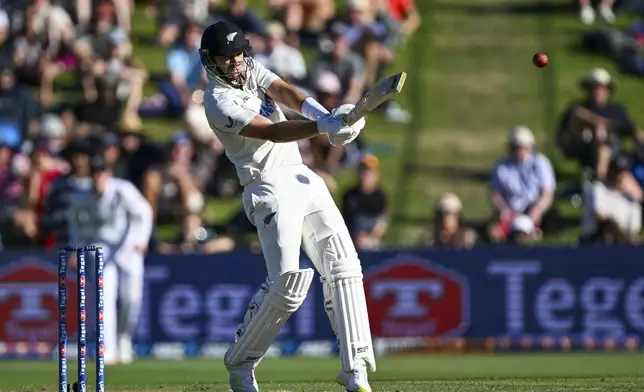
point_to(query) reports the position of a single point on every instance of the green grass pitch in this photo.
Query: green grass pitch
(441, 373)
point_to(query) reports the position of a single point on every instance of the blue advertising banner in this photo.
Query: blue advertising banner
(192, 304)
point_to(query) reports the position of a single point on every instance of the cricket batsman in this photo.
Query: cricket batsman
(289, 205)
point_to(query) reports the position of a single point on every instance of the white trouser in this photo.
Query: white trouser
(281, 206)
(292, 208)
(123, 279)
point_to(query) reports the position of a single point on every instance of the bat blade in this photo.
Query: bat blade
(376, 95)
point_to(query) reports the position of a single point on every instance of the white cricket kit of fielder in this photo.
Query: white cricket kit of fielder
(126, 222)
(292, 209)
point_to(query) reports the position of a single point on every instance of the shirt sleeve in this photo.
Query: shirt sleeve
(141, 216)
(545, 172)
(263, 75)
(495, 180)
(226, 115)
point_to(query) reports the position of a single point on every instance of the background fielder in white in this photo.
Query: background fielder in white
(125, 224)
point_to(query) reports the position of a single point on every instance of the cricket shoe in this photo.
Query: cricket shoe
(354, 381)
(125, 353)
(242, 379)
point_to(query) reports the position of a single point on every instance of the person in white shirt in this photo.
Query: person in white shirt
(289, 205)
(124, 228)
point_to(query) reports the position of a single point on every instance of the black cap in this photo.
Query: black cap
(223, 39)
(620, 163)
(98, 163)
(109, 139)
(77, 146)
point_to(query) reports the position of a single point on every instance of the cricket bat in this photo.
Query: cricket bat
(375, 96)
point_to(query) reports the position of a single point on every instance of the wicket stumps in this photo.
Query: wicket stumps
(81, 384)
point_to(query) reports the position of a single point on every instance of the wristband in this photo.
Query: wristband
(312, 109)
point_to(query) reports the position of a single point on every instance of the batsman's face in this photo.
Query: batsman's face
(233, 66)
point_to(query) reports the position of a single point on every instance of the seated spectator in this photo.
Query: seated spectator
(34, 60)
(107, 52)
(591, 130)
(45, 170)
(403, 12)
(103, 113)
(587, 12)
(52, 134)
(180, 14)
(172, 189)
(522, 183)
(247, 19)
(195, 237)
(16, 103)
(303, 16)
(70, 198)
(52, 22)
(523, 231)
(449, 230)
(17, 224)
(347, 65)
(94, 48)
(130, 74)
(365, 207)
(286, 61)
(139, 154)
(187, 76)
(613, 208)
(366, 36)
(110, 146)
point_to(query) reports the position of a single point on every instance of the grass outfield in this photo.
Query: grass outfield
(520, 372)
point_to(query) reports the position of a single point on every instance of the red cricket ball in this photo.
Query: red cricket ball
(540, 60)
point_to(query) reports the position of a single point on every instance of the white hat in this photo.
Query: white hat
(276, 30)
(449, 202)
(358, 5)
(521, 136)
(523, 224)
(52, 126)
(598, 76)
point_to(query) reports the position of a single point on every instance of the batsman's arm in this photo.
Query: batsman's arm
(283, 132)
(288, 95)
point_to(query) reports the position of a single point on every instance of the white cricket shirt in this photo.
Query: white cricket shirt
(229, 110)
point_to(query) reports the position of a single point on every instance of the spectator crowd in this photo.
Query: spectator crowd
(72, 88)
